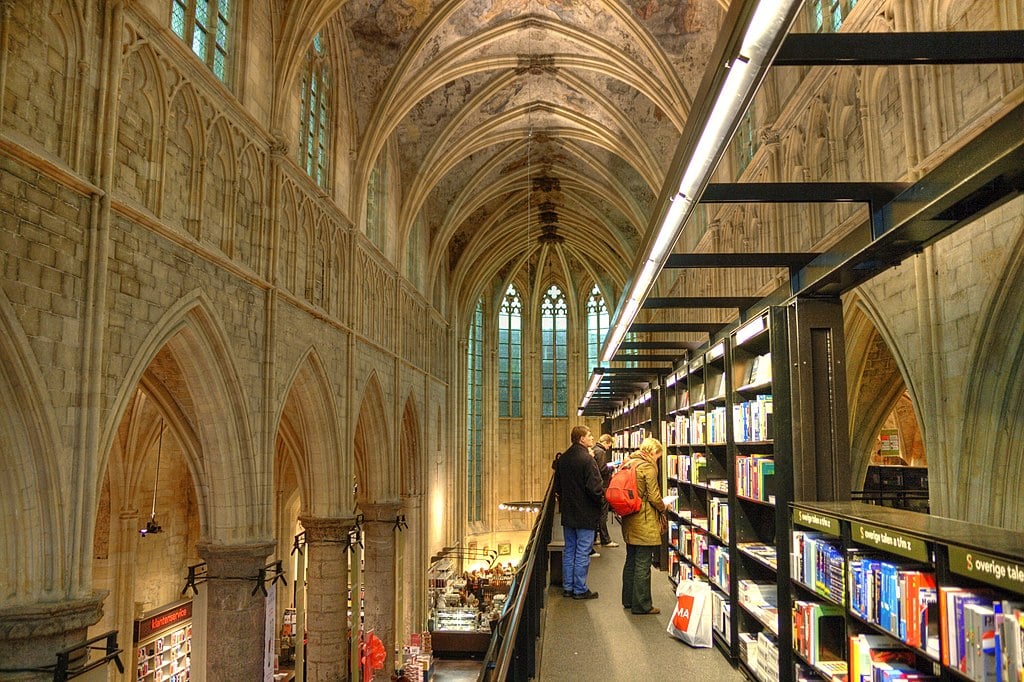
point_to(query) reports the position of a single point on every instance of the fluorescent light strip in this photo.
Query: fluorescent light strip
(761, 36)
(750, 330)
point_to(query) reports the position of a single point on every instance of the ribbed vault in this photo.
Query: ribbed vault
(512, 127)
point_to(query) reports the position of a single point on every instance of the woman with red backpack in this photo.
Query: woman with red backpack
(642, 530)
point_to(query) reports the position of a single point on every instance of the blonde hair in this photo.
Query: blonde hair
(652, 446)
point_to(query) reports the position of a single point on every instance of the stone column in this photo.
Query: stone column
(414, 570)
(379, 559)
(327, 598)
(122, 598)
(31, 635)
(235, 618)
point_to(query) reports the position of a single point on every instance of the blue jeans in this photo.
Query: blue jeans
(636, 578)
(576, 558)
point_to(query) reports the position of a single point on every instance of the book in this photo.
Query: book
(979, 623)
(952, 602)
(868, 649)
(1011, 642)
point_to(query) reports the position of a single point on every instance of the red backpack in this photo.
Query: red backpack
(622, 494)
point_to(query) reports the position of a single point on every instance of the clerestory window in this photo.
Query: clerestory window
(597, 327)
(510, 364)
(475, 414)
(314, 128)
(554, 360)
(205, 25)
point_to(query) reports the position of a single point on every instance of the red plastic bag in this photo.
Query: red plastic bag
(373, 655)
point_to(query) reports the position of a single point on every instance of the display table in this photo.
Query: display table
(459, 643)
(456, 633)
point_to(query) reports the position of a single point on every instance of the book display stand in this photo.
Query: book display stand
(162, 644)
(890, 594)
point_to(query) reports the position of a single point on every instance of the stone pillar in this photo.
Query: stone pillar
(379, 560)
(31, 635)
(327, 630)
(414, 569)
(235, 618)
(122, 596)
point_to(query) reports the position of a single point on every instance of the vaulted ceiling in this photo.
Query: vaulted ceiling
(530, 135)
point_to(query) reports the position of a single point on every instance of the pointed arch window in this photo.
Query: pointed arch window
(554, 357)
(597, 327)
(314, 128)
(745, 142)
(475, 414)
(827, 15)
(376, 198)
(630, 338)
(412, 252)
(206, 26)
(510, 363)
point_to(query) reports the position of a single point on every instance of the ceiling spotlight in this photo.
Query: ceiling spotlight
(151, 527)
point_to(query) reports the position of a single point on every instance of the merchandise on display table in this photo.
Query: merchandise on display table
(417, 658)
(162, 644)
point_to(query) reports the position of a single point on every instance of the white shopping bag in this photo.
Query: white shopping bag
(691, 618)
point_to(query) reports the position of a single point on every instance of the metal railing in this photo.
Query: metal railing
(512, 654)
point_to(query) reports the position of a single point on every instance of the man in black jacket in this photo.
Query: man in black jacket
(579, 490)
(603, 456)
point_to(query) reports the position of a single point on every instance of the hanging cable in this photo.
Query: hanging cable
(151, 525)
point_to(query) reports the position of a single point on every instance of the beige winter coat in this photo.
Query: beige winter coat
(642, 528)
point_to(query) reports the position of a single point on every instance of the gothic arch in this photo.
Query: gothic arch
(31, 491)
(876, 378)
(375, 462)
(190, 354)
(219, 183)
(182, 160)
(988, 481)
(247, 236)
(308, 420)
(411, 451)
(141, 116)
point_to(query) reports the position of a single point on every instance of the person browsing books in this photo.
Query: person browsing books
(603, 457)
(642, 530)
(578, 487)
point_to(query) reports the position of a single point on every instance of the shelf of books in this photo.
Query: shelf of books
(631, 426)
(751, 423)
(698, 472)
(886, 594)
(752, 456)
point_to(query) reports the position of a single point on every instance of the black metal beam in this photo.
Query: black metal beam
(741, 302)
(626, 357)
(891, 49)
(800, 192)
(983, 174)
(739, 260)
(653, 345)
(630, 371)
(677, 327)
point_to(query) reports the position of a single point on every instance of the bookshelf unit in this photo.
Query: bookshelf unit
(631, 425)
(755, 492)
(752, 423)
(935, 595)
(698, 472)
